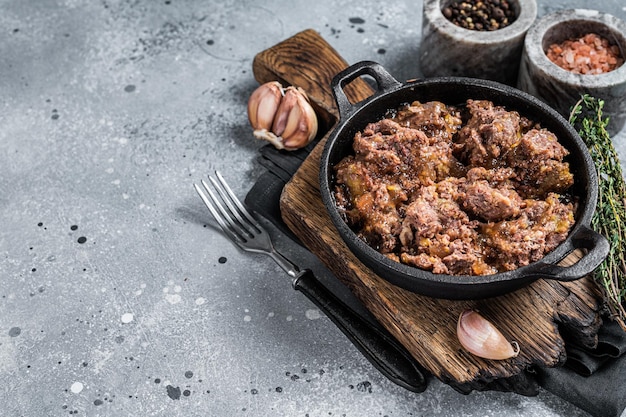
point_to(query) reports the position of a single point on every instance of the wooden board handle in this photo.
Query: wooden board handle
(306, 60)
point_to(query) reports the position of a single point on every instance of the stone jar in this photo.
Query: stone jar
(560, 88)
(450, 50)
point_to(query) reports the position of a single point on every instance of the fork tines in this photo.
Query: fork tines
(232, 216)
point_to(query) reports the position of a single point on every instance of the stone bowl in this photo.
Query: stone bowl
(561, 88)
(450, 50)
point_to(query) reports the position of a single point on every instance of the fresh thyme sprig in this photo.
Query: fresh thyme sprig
(610, 214)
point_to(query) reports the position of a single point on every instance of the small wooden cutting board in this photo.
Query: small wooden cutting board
(539, 317)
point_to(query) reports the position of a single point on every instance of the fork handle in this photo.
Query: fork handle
(377, 345)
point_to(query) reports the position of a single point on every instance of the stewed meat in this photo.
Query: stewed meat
(469, 190)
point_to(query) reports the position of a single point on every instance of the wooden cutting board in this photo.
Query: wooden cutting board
(539, 317)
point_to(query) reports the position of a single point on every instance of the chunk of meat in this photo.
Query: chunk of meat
(434, 118)
(490, 194)
(406, 154)
(538, 162)
(490, 133)
(541, 226)
(491, 204)
(437, 227)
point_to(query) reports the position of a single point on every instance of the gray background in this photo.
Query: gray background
(110, 110)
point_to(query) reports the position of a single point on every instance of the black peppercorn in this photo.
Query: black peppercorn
(482, 15)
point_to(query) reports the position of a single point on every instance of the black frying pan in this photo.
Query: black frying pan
(451, 90)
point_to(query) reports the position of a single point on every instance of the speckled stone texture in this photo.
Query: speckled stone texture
(562, 89)
(119, 296)
(449, 50)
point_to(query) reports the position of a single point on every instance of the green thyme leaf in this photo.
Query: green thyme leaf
(610, 215)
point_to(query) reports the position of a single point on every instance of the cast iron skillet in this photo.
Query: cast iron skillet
(451, 90)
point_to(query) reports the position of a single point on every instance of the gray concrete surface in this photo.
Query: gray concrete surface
(117, 295)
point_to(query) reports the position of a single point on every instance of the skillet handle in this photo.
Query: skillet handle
(384, 82)
(585, 238)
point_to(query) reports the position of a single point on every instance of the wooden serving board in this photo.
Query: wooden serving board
(540, 317)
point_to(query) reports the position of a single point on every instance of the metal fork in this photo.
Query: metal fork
(238, 224)
(376, 344)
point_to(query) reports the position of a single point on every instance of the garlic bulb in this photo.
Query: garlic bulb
(482, 338)
(284, 117)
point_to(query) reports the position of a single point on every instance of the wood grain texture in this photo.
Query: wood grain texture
(312, 63)
(536, 316)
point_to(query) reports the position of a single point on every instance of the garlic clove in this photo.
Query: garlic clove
(284, 117)
(295, 121)
(285, 108)
(263, 104)
(309, 116)
(481, 338)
